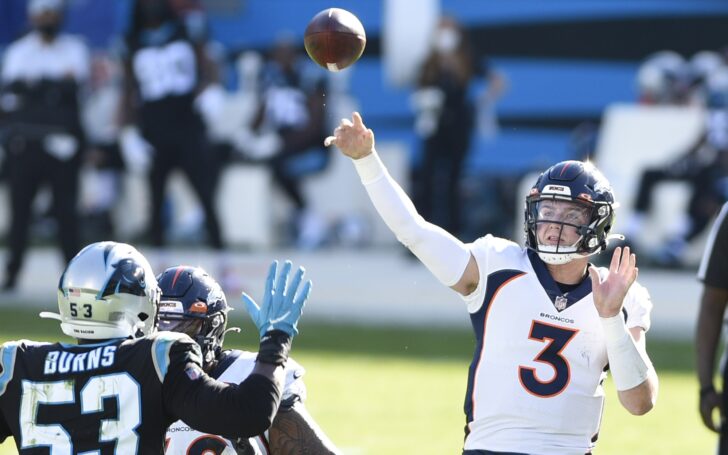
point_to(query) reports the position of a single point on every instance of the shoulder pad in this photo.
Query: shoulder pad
(173, 346)
(7, 363)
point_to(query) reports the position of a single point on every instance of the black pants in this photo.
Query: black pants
(29, 167)
(437, 184)
(188, 150)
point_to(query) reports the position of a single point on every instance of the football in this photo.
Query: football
(334, 39)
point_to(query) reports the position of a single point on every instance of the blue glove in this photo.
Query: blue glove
(282, 305)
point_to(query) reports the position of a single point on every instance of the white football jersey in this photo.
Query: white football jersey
(181, 439)
(535, 382)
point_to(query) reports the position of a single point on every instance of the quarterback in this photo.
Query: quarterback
(548, 324)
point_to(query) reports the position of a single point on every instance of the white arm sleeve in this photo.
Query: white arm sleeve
(444, 255)
(629, 366)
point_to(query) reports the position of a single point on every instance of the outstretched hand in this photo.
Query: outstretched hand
(609, 294)
(352, 137)
(282, 303)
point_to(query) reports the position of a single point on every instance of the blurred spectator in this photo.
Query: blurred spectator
(102, 173)
(43, 74)
(445, 120)
(292, 119)
(167, 74)
(666, 78)
(704, 166)
(663, 78)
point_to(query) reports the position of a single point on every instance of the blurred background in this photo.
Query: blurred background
(215, 155)
(211, 153)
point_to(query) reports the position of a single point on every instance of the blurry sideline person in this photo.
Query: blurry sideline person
(713, 273)
(704, 166)
(548, 324)
(165, 70)
(445, 120)
(194, 303)
(123, 384)
(42, 79)
(293, 107)
(102, 174)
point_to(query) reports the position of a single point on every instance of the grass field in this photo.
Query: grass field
(400, 391)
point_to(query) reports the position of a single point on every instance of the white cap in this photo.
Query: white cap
(39, 6)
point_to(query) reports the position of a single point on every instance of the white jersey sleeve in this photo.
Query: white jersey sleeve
(638, 306)
(490, 253)
(182, 440)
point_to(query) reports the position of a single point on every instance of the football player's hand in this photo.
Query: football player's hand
(352, 137)
(282, 302)
(709, 402)
(609, 294)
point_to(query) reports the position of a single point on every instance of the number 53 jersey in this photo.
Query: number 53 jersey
(106, 398)
(535, 381)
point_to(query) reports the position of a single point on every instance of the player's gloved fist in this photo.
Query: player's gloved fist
(282, 304)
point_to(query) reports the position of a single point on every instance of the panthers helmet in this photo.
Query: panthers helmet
(194, 303)
(108, 290)
(580, 183)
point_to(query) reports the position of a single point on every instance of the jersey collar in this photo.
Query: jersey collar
(560, 300)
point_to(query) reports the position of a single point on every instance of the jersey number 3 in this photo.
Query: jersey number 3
(122, 430)
(556, 339)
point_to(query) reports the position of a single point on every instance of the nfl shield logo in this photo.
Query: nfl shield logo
(560, 303)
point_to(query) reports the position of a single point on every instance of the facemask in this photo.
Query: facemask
(447, 40)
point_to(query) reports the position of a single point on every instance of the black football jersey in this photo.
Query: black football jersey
(713, 269)
(116, 397)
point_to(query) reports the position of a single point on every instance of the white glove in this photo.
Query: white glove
(210, 102)
(60, 146)
(136, 151)
(257, 146)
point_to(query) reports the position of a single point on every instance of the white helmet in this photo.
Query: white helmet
(108, 290)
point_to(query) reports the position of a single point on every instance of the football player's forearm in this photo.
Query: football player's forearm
(233, 411)
(707, 336)
(444, 255)
(294, 432)
(630, 367)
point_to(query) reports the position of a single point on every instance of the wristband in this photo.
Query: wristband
(274, 348)
(629, 368)
(369, 168)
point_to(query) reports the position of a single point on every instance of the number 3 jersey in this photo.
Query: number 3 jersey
(234, 367)
(535, 382)
(116, 397)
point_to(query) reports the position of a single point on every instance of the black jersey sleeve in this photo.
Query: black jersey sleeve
(6, 354)
(4, 428)
(714, 265)
(239, 410)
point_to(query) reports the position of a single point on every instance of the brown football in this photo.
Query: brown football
(334, 39)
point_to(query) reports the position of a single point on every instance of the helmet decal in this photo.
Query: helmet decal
(128, 278)
(115, 285)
